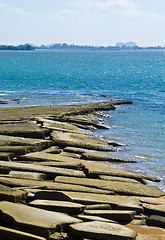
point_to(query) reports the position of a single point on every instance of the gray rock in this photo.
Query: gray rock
(12, 234)
(155, 209)
(155, 220)
(58, 206)
(102, 230)
(34, 220)
(116, 215)
(28, 175)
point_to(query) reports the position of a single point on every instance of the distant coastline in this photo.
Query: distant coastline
(72, 47)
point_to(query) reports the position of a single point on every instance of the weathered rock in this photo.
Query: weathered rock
(98, 207)
(151, 200)
(17, 150)
(27, 130)
(70, 165)
(12, 195)
(156, 220)
(116, 202)
(12, 234)
(34, 220)
(52, 195)
(51, 172)
(53, 150)
(110, 157)
(98, 169)
(28, 175)
(118, 179)
(148, 233)
(58, 206)
(4, 170)
(88, 218)
(116, 215)
(122, 188)
(20, 141)
(79, 140)
(6, 156)
(16, 182)
(75, 150)
(102, 230)
(155, 209)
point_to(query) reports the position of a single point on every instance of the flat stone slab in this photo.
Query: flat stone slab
(52, 195)
(58, 206)
(88, 218)
(69, 165)
(98, 207)
(28, 175)
(79, 140)
(102, 230)
(17, 150)
(51, 172)
(20, 141)
(6, 156)
(118, 187)
(118, 179)
(12, 195)
(94, 168)
(155, 209)
(12, 234)
(116, 202)
(34, 220)
(116, 215)
(75, 150)
(16, 182)
(156, 220)
(27, 130)
(110, 157)
(151, 200)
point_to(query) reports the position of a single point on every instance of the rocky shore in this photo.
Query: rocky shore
(57, 182)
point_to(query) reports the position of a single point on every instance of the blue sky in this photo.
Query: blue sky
(90, 22)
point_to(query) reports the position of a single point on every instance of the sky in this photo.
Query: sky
(82, 22)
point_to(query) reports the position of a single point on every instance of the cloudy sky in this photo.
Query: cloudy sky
(90, 22)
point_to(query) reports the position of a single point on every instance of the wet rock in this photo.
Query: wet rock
(34, 220)
(102, 230)
(155, 220)
(58, 206)
(12, 234)
(155, 209)
(116, 215)
(77, 140)
(123, 188)
(27, 175)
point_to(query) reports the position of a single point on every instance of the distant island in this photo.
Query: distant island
(63, 46)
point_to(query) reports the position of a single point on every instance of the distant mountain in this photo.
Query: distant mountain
(128, 44)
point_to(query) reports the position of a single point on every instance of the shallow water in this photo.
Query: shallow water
(48, 77)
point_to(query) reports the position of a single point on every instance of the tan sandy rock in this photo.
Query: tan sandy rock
(98, 207)
(58, 206)
(119, 179)
(12, 234)
(27, 175)
(12, 195)
(102, 230)
(155, 209)
(126, 188)
(88, 218)
(34, 220)
(6, 156)
(17, 150)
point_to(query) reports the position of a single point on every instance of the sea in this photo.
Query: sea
(43, 77)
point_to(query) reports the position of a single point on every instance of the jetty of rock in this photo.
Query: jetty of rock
(57, 181)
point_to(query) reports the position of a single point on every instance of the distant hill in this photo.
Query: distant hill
(128, 44)
(20, 47)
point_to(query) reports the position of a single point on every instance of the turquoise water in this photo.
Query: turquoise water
(47, 77)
